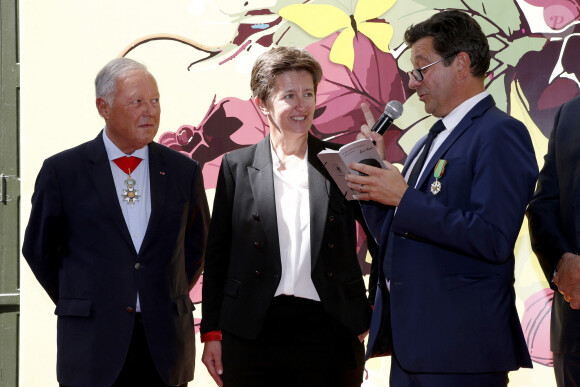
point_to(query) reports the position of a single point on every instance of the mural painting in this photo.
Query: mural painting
(359, 44)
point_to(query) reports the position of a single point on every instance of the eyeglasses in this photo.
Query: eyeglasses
(418, 73)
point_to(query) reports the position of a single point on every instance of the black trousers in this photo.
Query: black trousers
(299, 345)
(567, 369)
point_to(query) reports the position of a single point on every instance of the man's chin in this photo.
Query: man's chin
(140, 143)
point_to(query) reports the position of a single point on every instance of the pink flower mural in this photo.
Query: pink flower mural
(549, 75)
(228, 125)
(558, 14)
(536, 326)
(233, 123)
(542, 64)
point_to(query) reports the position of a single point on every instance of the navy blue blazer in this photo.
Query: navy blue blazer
(451, 307)
(553, 218)
(79, 248)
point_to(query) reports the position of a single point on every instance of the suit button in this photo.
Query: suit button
(329, 274)
(331, 218)
(331, 245)
(138, 266)
(257, 245)
(130, 310)
(258, 273)
(256, 216)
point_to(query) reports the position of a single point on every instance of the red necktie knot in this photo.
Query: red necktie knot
(127, 164)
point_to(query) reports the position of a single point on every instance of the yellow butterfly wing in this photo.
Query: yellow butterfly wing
(379, 33)
(319, 20)
(370, 9)
(342, 51)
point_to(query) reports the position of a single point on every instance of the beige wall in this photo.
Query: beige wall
(63, 45)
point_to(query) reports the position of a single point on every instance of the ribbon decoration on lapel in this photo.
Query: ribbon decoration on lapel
(437, 173)
(128, 164)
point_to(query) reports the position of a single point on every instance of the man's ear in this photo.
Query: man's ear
(463, 64)
(103, 107)
(262, 106)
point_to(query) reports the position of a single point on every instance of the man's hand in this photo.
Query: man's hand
(212, 358)
(567, 279)
(365, 130)
(385, 186)
(362, 336)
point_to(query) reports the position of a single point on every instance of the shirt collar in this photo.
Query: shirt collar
(452, 119)
(113, 152)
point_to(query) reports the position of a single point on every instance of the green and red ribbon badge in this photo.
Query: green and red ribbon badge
(437, 173)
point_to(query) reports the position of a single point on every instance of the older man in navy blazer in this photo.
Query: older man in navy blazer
(116, 237)
(448, 224)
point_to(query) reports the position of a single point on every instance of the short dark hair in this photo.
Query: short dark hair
(277, 61)
(453, 32)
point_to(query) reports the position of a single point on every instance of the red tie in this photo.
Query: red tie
(127, 164)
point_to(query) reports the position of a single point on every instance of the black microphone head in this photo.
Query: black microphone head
(394, 109)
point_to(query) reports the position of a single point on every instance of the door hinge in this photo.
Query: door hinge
(5, 196)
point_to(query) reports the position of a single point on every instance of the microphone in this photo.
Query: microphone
(393, 110)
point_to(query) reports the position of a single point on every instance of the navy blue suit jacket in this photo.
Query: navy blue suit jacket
(451, 307)
(79, 248)
(553, 218)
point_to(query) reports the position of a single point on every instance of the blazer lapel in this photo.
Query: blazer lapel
(100, 173)
(158, 188)
(319, 190)
(262, 185)
(461, 128)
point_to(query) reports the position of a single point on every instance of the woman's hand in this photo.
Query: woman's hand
(212, 358)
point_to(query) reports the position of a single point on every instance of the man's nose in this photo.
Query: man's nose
(413, 83)
(150, 107)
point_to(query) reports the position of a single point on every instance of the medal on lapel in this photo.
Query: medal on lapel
(128, 164)
(130, 194)
(439, 169)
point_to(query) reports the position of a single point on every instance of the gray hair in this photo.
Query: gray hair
(106, 80)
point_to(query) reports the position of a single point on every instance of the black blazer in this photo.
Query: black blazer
(553, 218)
(243, 264)
(78, 246)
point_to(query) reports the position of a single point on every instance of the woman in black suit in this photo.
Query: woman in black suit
(284, 301)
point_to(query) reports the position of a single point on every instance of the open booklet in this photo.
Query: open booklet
(336, 162)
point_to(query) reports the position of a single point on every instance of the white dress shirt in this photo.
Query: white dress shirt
(293, 218)
(136, 217)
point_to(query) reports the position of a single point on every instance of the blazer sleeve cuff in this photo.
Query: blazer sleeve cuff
(211, 336)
